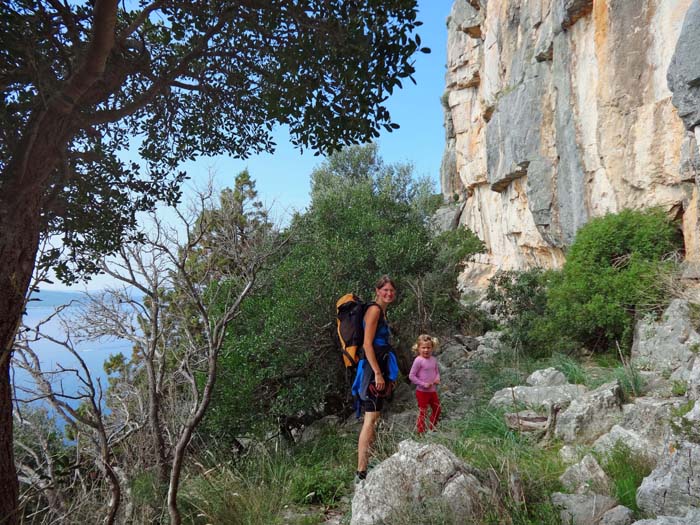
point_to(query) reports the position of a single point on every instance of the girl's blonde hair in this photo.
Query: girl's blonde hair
(425, 338)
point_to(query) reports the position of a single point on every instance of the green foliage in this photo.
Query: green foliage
(262, 485)
(487, 443)
(626, 470)
(520, 301)
(611, 275)
(570, 367)
(365, 219)
(631, 381)
(679, 388)
(319, 484)
(259, 71)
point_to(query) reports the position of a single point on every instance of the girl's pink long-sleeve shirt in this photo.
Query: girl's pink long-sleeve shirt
(424, 371)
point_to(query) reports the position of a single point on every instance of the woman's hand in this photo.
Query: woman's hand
(379, 381)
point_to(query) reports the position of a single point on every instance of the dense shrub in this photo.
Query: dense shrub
(365, 219)
(610, 276)
(520, 302)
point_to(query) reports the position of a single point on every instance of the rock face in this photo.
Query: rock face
(591, 415)
(668, 345)
(557, 111)
(417, 472)
(673, 488)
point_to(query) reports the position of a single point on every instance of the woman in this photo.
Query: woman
(378, 356)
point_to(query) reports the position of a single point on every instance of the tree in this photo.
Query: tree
(83, 81)
(366, 218)
(179, 291)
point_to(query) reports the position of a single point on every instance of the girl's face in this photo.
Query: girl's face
(425, 349)
(386, 294)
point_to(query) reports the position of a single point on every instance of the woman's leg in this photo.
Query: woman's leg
(366, 439)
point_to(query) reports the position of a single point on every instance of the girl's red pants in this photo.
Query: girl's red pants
(425, 400)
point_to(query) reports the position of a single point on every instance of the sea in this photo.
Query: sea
(54, 357)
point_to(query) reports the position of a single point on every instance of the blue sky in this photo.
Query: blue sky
(282, 178)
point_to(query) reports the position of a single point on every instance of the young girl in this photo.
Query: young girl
(425, 374)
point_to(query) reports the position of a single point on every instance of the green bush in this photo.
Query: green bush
(365, 219)
(611, 276)
(319, 484)
(520, 301)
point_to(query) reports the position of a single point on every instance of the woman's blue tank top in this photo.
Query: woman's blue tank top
(382, 336)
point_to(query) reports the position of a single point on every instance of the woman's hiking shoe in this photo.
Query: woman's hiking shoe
(360, 475)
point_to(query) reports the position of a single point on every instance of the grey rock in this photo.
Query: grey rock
(693, 391)
(591, 415)
(619, 515)
(673, 487)
(536, 396)
(691, 518)
(565, 13)
(569, 454)
(570, 181)
(546, 377)
(417, 471)
(582, 509)
(446, 218)
(315, 429)
(649, 417)
(469, 342)
(513, 133)
(544, 48)
(489, 345)
(637, 444)
(586, 477)
(452, 355)
(667, 345)
(683, 74)
(690, 159)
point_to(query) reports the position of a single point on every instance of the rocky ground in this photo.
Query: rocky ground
(661, 424)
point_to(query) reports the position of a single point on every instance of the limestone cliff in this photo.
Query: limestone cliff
(557, 111)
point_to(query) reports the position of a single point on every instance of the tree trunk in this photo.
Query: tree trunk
(19, 238)
(9, 490)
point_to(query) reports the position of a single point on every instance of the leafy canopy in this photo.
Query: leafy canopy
(179, 80)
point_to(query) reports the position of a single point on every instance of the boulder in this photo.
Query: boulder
(638, 445)
(582, 509)
(489, 345)
(668, 345)
(673, 487)
(536, 396)
(586, 477)
(650, 416)
(591, 415)
(570, 454)
(619, 515)
(693, 391)
(418, 472)
(691, 518)
(315, 429)
(546, 377)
